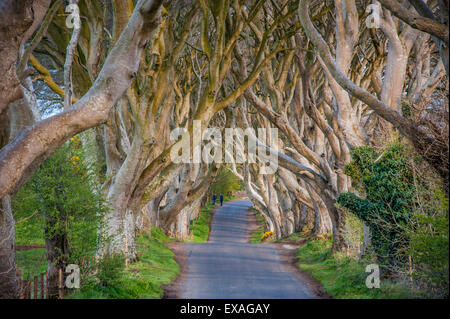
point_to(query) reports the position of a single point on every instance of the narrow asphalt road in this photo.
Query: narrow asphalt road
(227, 267)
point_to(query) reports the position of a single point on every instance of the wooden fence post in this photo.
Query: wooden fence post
(22, 282)
(35, 290)
(46, 283)
(29, 289)
(60, 286)
(42, 286)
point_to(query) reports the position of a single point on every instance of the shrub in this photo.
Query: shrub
(110, 270)
(61, 194)
(389, 188)
(407, 213)
(428, 247)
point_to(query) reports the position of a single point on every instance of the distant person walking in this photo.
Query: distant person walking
(214, 199)
(221, 199)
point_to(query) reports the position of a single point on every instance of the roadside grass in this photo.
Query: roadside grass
(200, 226)
(344, 277)
(159, 235)
(292, 237)
(142, 279)
(29, 229)
(32, 262)
(255, 237)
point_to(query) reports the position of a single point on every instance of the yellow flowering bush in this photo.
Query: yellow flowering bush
(76, 139)
(267, 235)
(77, 165)
(75, 159)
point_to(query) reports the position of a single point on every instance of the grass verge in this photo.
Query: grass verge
(294, 237)
(32, 262)
(201, 226)
(29, 229)
(255, 237)
(141, 280)
(344, 277)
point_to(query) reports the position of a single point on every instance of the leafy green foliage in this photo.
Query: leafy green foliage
(225, 182)
(60, 199)
(32, 262)
(29, 227)
(428, 246)
(407, 214)
(142, 279)
(389, 188)
(345, 277)
(110, 270)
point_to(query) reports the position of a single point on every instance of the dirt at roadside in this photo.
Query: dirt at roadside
(253, 224)
(211, 220)
(172, 290)
(287, 252)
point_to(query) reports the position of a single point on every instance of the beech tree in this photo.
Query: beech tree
(21, 156)
(319, 72)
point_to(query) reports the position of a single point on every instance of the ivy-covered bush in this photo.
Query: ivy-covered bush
(389, 191)
(407, 219)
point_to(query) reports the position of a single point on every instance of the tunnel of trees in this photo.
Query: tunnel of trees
(356, 89)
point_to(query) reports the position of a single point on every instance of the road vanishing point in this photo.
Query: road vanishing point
(228, 267)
